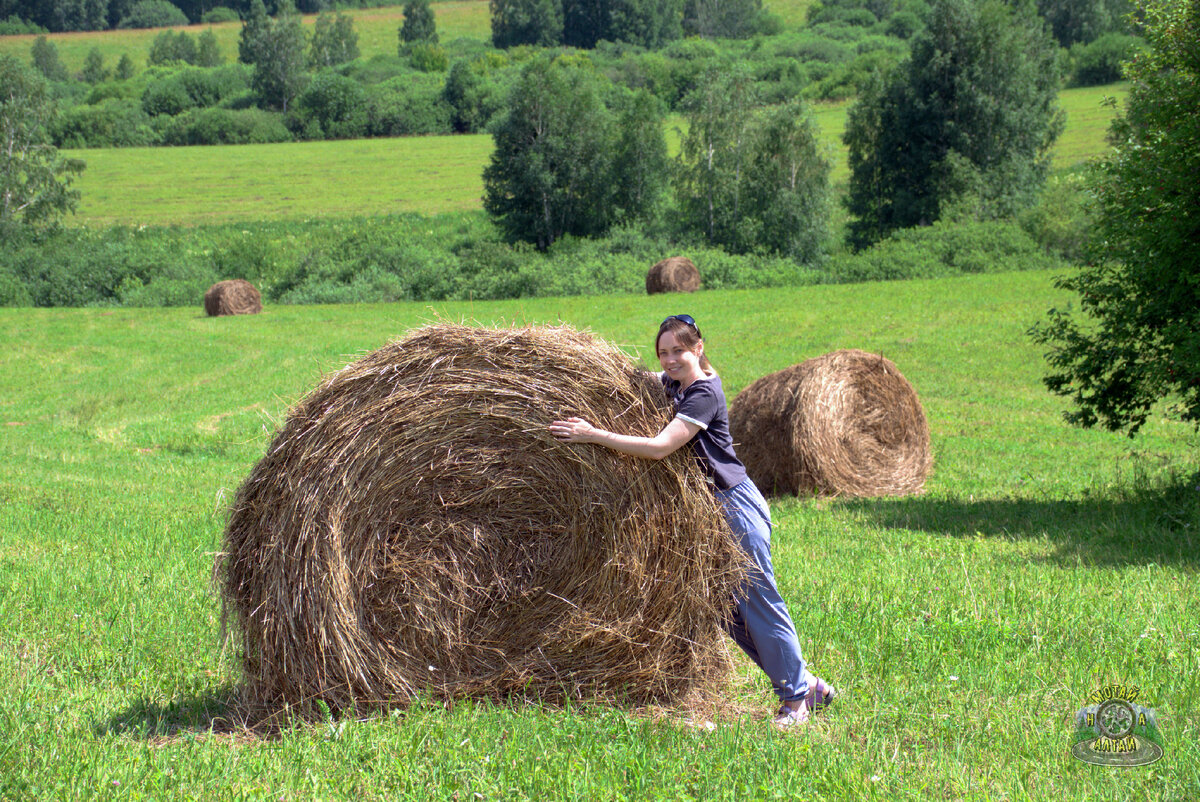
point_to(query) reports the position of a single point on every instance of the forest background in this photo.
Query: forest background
(120, 93)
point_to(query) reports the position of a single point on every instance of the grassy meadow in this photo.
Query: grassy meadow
(430, 175)
(377, 29)
(964, 626)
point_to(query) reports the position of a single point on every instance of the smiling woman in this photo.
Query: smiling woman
(294, 181)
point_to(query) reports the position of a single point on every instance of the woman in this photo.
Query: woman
(760, 623)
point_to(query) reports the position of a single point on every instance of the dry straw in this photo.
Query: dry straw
(233, 297)
(414, 529)
(676, 274)
(846, 423)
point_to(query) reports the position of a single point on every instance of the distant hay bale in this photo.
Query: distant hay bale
(676, 274)
(233, 297)
(414, 528)
(846, 423)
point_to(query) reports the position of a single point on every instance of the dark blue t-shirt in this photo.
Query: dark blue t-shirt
(703, 403)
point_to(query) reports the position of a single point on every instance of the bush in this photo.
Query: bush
(407, 106)
(15, 26)
(944, 249)
(215, 16)
(194, 87)
(170, 47)
(1099, 62)
(336, 103)
(226, 127)
(152, 14)
(427, 57)
(113, 123)
(903, 25)
(1062, 218)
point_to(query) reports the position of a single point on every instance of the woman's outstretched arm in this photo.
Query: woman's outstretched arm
(673, 436)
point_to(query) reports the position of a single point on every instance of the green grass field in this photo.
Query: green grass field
(964, 626)
(377, 30)
(164, 186)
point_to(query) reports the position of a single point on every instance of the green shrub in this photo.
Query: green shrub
(337, 104)
(15, 26)
(218, 126)
(944, 249)
(1062, 218)
(115, 123)
(427, 57)
(1099, 62)
(194, 87)
(152, 14)
(215, 16)
(406, 106)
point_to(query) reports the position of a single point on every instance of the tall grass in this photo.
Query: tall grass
(964, 626)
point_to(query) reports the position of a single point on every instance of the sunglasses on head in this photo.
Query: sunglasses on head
(688, 319)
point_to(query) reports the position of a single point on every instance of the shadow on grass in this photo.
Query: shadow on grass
(1127, 525)
(214, 711)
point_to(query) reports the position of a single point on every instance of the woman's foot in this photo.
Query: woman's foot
(820, 693)
(791, 714)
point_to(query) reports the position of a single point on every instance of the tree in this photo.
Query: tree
(35, 182)
(788, 184)
(208, 51)
(171, 47)
(125, 68)
(334, 41)
(1075, 21)
(750, 179)
(281, 61)
(729, 19)
(1139, 295)
(419, 25)
(965, 125)
(554, 168)
(526, 22)
(93, 67)
(45, 59)
(256, 26)
(649, 23)
(710, 173)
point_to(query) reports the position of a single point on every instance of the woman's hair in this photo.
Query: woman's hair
(688, 335)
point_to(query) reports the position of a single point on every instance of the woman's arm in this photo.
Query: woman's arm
(673, 436)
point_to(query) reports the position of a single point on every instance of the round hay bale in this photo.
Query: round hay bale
(676, 274)
(233, 297)
(846, 423)
(414, 528)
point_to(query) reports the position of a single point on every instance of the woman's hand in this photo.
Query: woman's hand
(572, 430)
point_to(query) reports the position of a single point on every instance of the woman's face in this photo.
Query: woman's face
(679, 361)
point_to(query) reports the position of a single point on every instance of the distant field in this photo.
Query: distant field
(377, 28)
(163, 186)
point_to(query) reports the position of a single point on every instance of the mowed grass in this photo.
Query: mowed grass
(190, 185)
(377, 28)
(964, 627)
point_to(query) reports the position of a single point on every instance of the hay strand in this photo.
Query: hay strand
(414, 529)
(846, 423)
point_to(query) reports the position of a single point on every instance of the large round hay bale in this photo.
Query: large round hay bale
(676, 274)
(235, 296)
(414, 528)
(846, 423)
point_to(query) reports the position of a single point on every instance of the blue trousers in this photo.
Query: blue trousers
(760, 623)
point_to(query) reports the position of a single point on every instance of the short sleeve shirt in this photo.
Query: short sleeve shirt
(703, 404)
